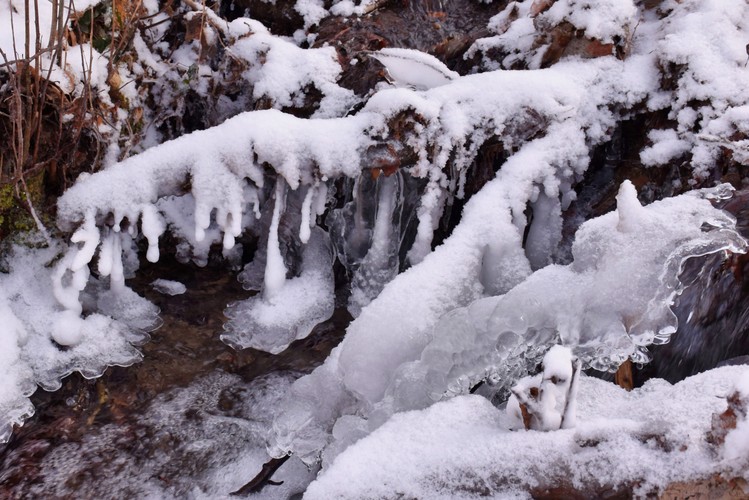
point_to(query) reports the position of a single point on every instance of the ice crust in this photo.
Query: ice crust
(34, 327)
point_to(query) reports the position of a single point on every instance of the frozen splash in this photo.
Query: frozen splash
(612, 302)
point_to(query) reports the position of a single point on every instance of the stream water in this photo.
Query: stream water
(188, 421)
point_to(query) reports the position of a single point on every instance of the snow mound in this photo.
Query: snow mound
(462, 448)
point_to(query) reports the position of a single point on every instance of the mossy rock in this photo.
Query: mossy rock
(14, 217)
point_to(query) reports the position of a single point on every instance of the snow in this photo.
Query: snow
(219, 161)
(459, 448)
(549, 398)
(699, 45)
(736, 447)
(481, 307)
(12, 11)
(394, 328)
(604, 20)
(282, 72)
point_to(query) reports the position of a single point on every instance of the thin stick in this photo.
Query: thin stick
(262, 478)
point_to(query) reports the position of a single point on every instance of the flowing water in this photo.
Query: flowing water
(189, 420)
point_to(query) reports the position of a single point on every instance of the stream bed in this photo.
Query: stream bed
(188, 421)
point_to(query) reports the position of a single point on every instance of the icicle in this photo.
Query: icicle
(228, 240)
(321, 198)
(545, 231)
(202, 219)
(67, 294)
(230, 221)
(431, 206)
(275, 269)
(153, 226)
(105, 254)
(117, 221)
(380, 265)
(383, 221)
(117, 275)
(88, 234)
(235, 219)
(251, 197)
(110, 260)
(228, 233)
(304, 226)
(74, 266)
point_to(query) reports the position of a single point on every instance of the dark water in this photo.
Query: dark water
(713, 312)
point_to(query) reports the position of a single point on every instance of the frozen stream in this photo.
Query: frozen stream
(188, 421)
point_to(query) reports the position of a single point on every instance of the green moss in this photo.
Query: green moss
(14, 218)
(7, 202)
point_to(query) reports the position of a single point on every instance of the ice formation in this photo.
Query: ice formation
(270, 323)
(43, 343)
(610, 303)
(224, 168)
(403, 158)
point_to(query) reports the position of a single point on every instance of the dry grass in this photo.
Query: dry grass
(48, 134)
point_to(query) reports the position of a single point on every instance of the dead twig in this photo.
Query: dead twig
(263, 477)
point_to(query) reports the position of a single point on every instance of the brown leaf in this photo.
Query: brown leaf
(540, 6)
